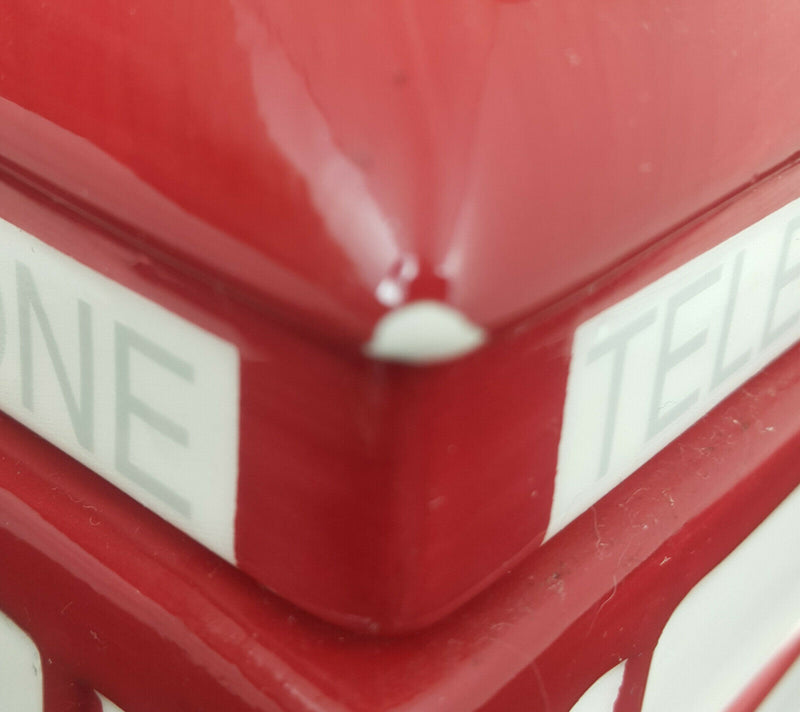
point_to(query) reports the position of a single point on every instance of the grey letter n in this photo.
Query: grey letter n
(80, 409)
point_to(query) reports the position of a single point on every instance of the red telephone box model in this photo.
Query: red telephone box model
(419, 356)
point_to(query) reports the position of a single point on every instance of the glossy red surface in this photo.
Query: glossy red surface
(262, 167)
(298, 151)
(342, 535)
(340, 519)
(117, 602)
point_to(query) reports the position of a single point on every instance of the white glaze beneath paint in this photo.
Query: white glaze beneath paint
(733, 622)
(423, 332)
(602, 695)
(20, 670)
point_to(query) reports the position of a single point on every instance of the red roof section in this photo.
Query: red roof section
(330, 160)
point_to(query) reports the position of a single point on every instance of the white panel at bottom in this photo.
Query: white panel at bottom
(602, 695)
(732, 623)
(20, 670)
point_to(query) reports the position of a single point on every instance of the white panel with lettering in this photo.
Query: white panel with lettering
(647, 368)
(20, 670)
(135, 392)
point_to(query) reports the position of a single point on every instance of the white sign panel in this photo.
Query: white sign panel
(602, 695)
(647, 368)
(20, 670)
(733, 623)
(138, 394)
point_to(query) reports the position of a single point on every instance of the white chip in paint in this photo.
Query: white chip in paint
(138, 394)
(20, 670)
(424, 332)
(647, 368)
